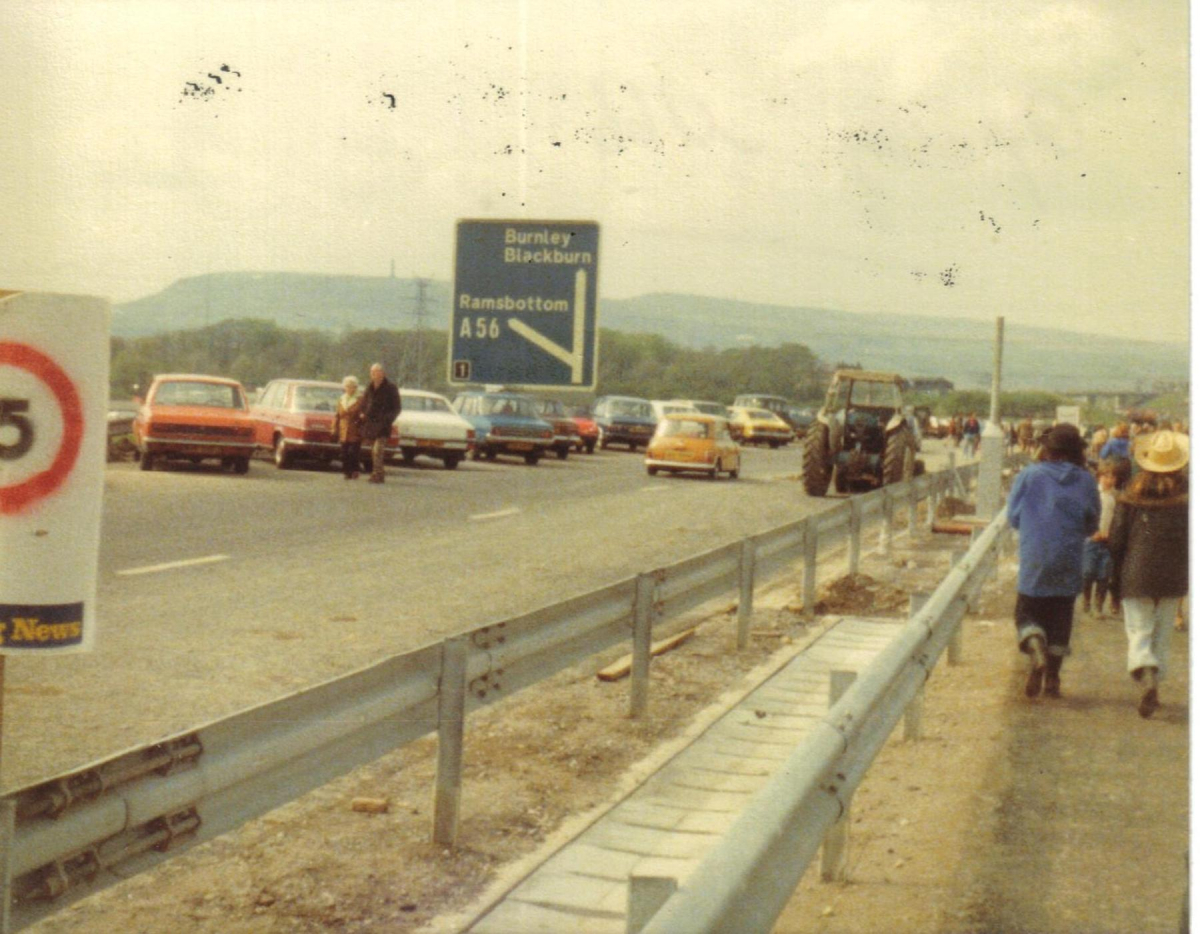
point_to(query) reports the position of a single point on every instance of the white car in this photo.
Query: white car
(428, 425)
(662, 408)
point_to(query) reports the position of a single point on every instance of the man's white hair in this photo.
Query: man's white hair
(376, 366)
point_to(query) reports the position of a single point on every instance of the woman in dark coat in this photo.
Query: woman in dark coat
(1149, 543)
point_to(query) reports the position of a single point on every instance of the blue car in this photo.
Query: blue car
(624, 420)
(505, 423)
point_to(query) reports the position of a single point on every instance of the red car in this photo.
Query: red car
(589, 431)
(193, 417)
(566, 434)
(293, 419)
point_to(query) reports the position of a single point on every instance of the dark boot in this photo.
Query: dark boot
(1149, 702)
(1036, 647)
(1053, 666)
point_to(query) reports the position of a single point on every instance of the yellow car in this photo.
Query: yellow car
(760, 426)
(691, 441)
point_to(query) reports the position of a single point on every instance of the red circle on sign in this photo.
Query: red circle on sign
(20, 495)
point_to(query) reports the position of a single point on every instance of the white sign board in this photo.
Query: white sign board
(54, 352)
(1069, 414)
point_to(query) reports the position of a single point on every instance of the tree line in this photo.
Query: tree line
(648, 365)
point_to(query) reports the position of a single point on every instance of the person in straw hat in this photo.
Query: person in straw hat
(1054, 505)
(1149, 543)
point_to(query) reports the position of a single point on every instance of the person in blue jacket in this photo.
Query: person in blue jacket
(1054, 506)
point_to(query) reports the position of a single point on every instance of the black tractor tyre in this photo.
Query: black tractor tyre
(816, 460)
(899, 457)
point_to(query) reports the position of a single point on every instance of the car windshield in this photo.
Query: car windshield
(552, 407)
(875, 395)
(684, 428)
(509, 405)
(709, 408)
(632, 408)
(581, 411)
(409, 403)
(189, 392)
(316, 398)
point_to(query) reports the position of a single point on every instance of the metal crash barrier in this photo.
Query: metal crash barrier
(72, 835)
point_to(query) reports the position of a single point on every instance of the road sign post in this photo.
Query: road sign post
(524, 303)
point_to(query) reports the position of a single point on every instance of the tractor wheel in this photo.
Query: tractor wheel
(899, 457)
(816, 460)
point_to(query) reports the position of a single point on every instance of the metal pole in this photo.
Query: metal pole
(837, 838)
(745, 591)
(452, 701)
(643, 625)
(912, 713)
(810, 569)
(855, 547)
(647, 894)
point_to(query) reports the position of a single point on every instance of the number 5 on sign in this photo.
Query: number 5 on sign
(53, 432)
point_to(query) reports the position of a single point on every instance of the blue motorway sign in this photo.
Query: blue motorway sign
(525, 303)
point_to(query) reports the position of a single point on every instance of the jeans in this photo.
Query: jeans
(377, 448)
(1148, 624)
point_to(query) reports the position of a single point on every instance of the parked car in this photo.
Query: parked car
(708, 408)
(589, 431)
(760, 426)
(693, 442)
(624, 420)
(566, 432)
(663, 408)
(800, 419)
(777, 404)
(194, 417)
(428, 425)
(505, 423)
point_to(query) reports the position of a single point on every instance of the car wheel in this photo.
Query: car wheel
(476, 454)
(898, 457)
(408, 458)
(490, 454)
(633, 445)
(281, 455)
(562, 453)
(653, 471)
(816, 460)
(533, 458)
(591, 447)
(733, 474)
(241, 465)
(146, 462)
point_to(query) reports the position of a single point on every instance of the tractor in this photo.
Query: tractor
(861, 437)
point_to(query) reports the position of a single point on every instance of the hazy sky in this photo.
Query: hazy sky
(960, 158)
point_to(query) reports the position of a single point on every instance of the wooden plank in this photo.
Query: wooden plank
(620, 668)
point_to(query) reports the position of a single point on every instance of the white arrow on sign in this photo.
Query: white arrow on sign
(573, 357)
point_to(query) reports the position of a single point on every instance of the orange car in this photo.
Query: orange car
(695, 442)
(189, 417)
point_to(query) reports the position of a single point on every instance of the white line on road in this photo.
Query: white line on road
(653, 489)
(171, 565)
(511, 511)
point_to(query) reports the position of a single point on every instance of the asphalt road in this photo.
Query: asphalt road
(220, 591)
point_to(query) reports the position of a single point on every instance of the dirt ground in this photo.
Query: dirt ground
(536, 761)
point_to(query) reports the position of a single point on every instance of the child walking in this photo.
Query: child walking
(1097, 559)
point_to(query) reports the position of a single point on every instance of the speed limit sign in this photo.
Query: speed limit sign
(53, 432)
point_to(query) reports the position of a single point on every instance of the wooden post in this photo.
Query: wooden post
(643, 626)
(913, 503)
(931, 504)
(647, 894)
(854, 548)
(837, 838)
(452, 702)
(810, 569)
(745, 591)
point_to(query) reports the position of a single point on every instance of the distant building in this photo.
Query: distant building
(933, 385)
(1108, 399)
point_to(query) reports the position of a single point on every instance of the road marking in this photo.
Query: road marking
(654, 489)
(171, 565)
(479, 517)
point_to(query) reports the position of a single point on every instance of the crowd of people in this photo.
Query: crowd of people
(1105, 518)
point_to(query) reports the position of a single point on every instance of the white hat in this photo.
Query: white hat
(1162, 452)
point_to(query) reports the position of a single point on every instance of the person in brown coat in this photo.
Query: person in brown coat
(347, 428)
(1149, 543)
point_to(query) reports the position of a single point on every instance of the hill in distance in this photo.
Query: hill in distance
(958, 349)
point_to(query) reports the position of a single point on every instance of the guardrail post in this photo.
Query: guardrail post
(885, 531)
(833, 847)
(854, 548)
(810, 569)
(647, 894)
(745, 591)
(452, 702)
(913, 502)
(912, 713)
(935, 498)
(643, 626)
(954, 647)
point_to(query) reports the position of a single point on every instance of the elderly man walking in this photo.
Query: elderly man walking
(379, 406)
